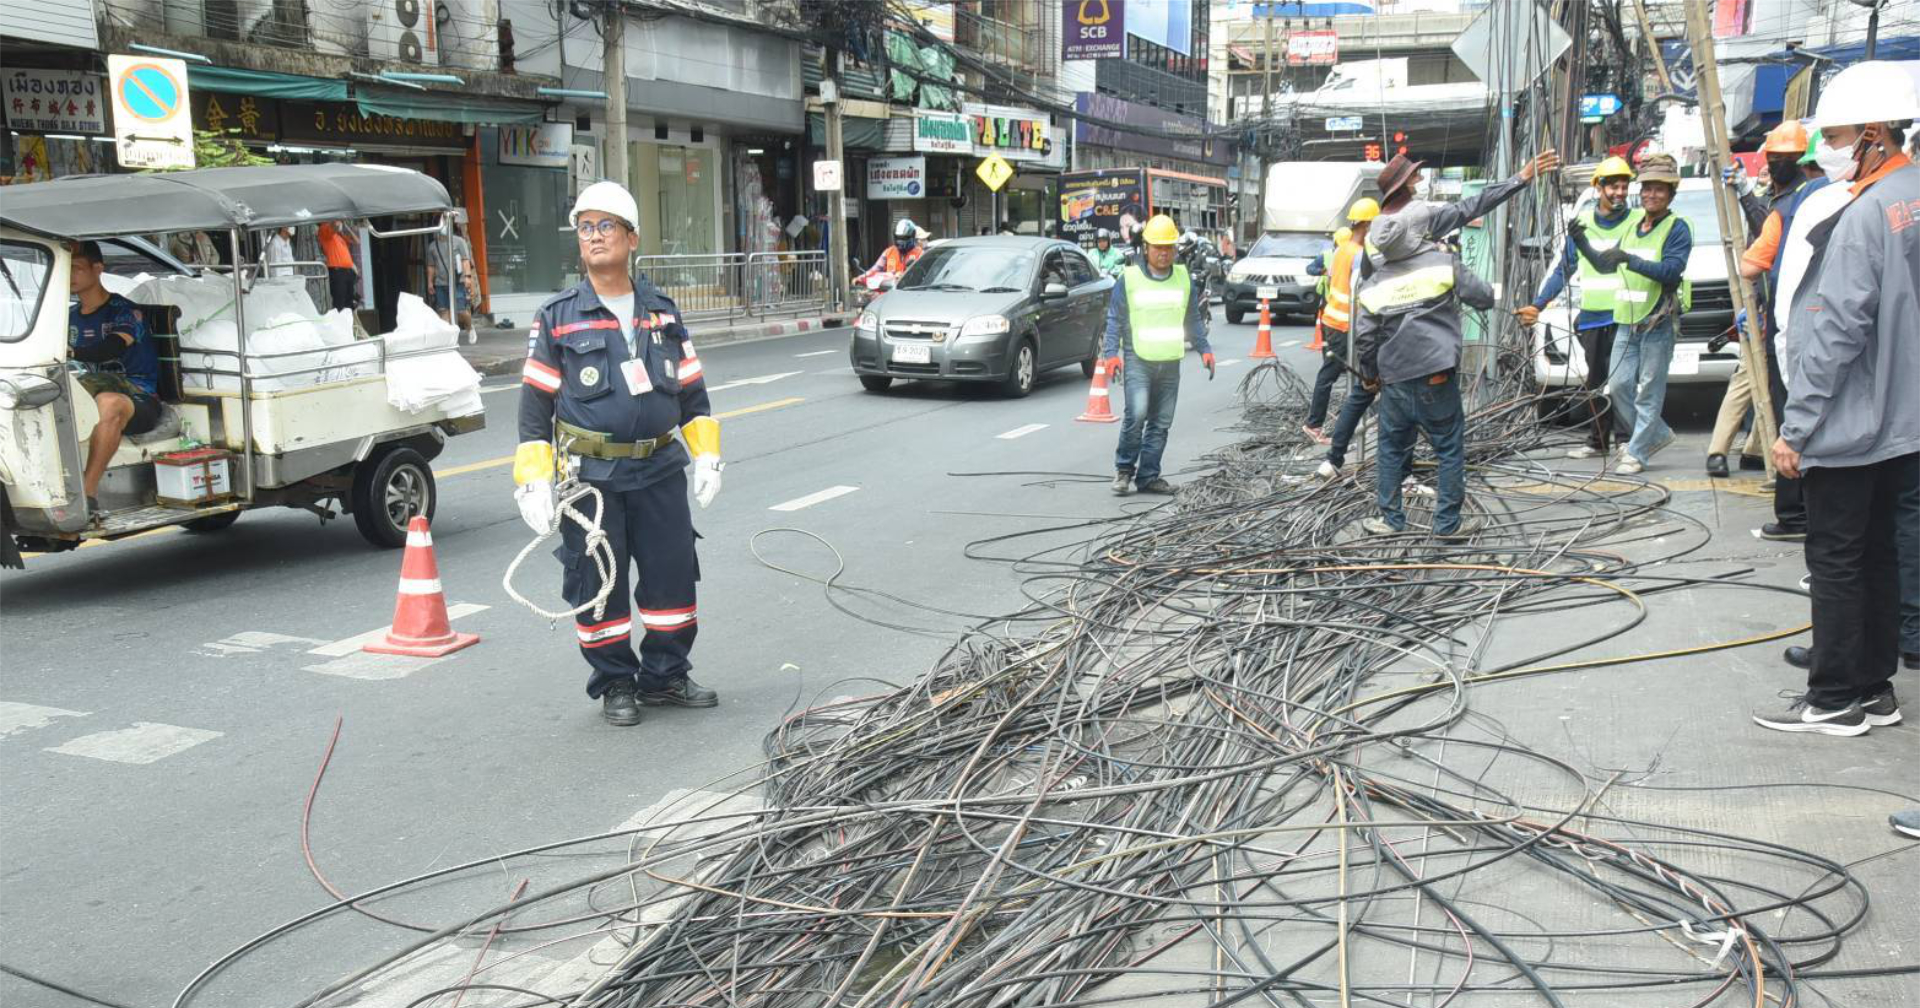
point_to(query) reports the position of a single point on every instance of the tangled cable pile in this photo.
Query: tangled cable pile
(1226, 756)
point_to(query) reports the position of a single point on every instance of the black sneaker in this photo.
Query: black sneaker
(1799, 657)
(682, 692)
(1782, 533)
(1881, 709)
(1717, 465)
(617, 705)
(1803, 716)
(1122, 482)
(1156, 485)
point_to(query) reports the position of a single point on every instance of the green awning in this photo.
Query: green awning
(265, 84)
(856, 133)
(447, 107)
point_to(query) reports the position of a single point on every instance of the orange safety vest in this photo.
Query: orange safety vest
(897, 263)
(1337, 313)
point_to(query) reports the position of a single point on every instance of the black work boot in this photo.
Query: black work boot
(682, 692)
(618, 706)
(1122, 482)
(1717, 465)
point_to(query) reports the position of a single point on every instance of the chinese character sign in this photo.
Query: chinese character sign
(55, 101)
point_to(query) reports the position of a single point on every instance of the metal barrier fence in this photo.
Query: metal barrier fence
(741, 284)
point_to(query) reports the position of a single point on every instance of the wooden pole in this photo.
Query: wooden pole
(1713, 116)
(613, 79)
(1653, 46)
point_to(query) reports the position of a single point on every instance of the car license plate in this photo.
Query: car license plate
(912, 353)
(1686, 361)
(1267, 293)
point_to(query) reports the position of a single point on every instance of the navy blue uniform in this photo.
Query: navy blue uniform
(578, 370)
(114, 341)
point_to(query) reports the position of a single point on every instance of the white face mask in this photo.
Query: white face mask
(1837, 163)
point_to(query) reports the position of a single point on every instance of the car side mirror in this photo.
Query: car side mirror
(1053, 291)
(27, 391)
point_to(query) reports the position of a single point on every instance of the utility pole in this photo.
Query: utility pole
(1873, 27)
(1264, 145)
(1713, 116)
(613, 79)
(836, 198)
(1653, 46)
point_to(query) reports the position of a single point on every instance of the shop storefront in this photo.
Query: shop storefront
(527, 199)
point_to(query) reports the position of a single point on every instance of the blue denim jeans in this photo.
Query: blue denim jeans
(1152, 389)
(1351, 412)
(1638, 386)
(1407, 410)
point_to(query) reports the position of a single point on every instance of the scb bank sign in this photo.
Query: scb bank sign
(1093, 29)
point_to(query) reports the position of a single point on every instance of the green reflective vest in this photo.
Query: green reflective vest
(1639, 295)
(1326, 273)
(1406, 283)
(1157, 313)
(1597, 289)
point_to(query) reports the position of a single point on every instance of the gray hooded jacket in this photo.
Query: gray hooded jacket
(1854, 372)
(1411, 340)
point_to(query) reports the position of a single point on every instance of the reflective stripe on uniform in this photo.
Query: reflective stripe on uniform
(1639, 294)
(572, 327)
(602, 634)
(1157, 313)
(1599, 291)
(540, 376)
(1403, 291)
(668, 619)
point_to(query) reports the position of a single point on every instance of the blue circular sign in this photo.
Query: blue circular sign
(150, 92)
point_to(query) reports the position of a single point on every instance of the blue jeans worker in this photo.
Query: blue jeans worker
(1151, 317)
(1650, 260)
(1408, 338)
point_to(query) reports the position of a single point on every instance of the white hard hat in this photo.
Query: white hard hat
(608, 198)
(1870, 92)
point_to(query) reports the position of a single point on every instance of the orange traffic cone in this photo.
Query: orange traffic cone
(1318, 342)
(420, 626)
(1263, 343)
(1099, 406)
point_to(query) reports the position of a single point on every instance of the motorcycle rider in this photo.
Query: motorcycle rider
(1107, 259)
(904, 252)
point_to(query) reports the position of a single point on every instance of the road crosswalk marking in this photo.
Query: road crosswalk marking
(144, 742)
(351, 645)
(19, 717)
(818, 497)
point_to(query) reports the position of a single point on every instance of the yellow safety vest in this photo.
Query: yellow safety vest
(1337, 313)
(1639, 295)
(1157, 313)
(1387, 293)
(1597, 289)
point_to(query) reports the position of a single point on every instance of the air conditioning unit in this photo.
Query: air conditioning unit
(403, 31)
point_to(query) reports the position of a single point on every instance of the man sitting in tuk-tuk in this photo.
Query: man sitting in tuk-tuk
(107, 333)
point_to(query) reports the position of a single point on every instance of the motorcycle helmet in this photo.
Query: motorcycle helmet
(904, 235)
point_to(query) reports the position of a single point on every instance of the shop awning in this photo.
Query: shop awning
(265, 83)
(856, 133)
(448, 107)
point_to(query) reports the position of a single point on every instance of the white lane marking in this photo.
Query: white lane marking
(249, 642)
(1229, 362)
(19, 717)
(818, 353)
(490, 389)
(366, 665)
(814, 498)
(145, 742)
(351, 645)
(1021, 431)
(1290, 343)
(762, 380)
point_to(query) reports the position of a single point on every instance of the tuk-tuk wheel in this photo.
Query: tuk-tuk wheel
(389, 489)
(212, 523)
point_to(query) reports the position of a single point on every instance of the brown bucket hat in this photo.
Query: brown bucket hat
(1397, 172)
(1659, 168)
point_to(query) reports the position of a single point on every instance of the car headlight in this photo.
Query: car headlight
(981, 326)
(867, 322)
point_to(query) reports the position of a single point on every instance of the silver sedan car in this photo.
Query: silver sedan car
(1000, 310)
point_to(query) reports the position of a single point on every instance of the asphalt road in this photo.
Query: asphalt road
(163, 710)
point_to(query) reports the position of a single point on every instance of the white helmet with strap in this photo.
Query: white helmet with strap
(609, 198)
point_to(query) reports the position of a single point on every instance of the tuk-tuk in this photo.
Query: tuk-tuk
(241, 429)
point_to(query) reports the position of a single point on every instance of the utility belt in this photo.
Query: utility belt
(593, 444)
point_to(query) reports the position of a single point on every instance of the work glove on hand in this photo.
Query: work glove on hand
(536, 505)
(1113, 367)
(1604, 261)
(1739, 323)
(1207, 359)
(1735, 175)
(706, 479)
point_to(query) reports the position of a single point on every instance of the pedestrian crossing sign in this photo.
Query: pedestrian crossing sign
(994, 171)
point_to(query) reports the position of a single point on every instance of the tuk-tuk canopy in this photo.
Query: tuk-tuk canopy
(217, 199)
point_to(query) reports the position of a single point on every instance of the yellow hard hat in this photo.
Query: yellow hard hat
(1161, 230)
(1341, 236)
(1365, 208)
(1613, 167)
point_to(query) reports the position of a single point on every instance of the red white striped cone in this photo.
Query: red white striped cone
(1319, 342)
(1099, 406)
(1263, 343)
(420, 627)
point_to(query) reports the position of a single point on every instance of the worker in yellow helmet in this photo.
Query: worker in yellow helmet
(1152, 315)
(1605, 222)
(1336, 267)
(611, 376)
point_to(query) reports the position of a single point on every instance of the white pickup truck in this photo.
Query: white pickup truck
(295, 429)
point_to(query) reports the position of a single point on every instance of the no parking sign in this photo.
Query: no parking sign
(152, 124)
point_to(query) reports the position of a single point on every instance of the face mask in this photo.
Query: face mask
(1838, 164)
(1782, 171)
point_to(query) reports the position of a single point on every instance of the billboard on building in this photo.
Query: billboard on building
(1093, 29)
(1163, 22)
(1111, 198)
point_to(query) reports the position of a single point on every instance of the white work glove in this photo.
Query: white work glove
(706, 478)
(536, 505)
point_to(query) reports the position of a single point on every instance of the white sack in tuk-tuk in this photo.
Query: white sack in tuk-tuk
(441, 378)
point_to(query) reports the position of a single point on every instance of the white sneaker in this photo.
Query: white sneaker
(1583, 452)
(1327, 471)
(1629, 466)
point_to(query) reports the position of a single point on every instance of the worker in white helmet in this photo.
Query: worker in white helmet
(610, 377)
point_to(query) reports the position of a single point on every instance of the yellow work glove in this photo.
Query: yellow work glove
(702, 435)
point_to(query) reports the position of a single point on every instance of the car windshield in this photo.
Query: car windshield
(23, 281)
(964, 267)
(1695, 206)
(1290, 246)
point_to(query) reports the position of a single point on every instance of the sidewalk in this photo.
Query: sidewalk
(501, 351)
